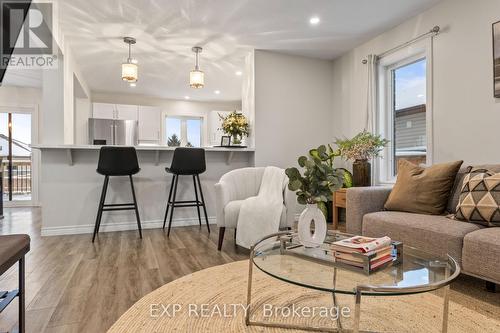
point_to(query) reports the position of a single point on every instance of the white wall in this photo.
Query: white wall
(52, 107)
(248, 96)
(18, 96)
(466, 116)
(293, 107)
(170, 106)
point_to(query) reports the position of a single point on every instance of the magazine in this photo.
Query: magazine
(373, 255)
(361, 244)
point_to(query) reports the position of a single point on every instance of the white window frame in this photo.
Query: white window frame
(184, 119)
(384, 168)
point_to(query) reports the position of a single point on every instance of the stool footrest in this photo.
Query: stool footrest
(118, 205)
(118, 208)
(7, 297)
(192, 203)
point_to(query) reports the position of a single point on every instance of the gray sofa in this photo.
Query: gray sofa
(476, 248)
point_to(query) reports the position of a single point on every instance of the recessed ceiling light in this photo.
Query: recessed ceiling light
(187, 97)
(133, 84)
(314, 20)
(239, 73)
(217, 92)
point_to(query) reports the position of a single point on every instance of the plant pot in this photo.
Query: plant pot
(312, 215)
(361, 173)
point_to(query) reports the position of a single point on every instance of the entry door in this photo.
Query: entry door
(16, 156)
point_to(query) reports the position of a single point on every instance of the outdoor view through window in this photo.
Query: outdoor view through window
(15, 155)
(409, 113)
(183, 131)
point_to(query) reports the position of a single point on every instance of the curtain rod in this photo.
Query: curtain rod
(434, 31)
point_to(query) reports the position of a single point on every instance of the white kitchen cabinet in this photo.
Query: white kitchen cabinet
(149, 124)
(103, 111)
(114, 111)
(126, 112)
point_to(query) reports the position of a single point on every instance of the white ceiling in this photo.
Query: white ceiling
(226, 29)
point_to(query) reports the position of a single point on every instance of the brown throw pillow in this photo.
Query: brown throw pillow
(422, 190)
(480, 198)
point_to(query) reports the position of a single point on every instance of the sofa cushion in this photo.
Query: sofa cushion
(455, 193)
(435, 234)
(422, 190)
(481, 253)
(480, 198)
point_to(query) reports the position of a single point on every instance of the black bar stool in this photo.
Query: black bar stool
(117, 161)
(186, 162)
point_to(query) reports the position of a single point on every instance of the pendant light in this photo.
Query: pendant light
(129, 68)
(196, 76)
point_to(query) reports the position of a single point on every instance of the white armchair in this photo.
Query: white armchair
(238, 185)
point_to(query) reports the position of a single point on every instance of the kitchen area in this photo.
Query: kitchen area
(70, 186)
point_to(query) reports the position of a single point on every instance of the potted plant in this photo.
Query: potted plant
(328, 158)
(360, 149)
(313, 189)
(236, 125)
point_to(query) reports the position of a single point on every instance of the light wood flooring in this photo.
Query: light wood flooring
(76, 286)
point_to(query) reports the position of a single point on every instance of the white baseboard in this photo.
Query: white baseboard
(119, 226)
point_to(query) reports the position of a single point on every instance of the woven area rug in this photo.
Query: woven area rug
(212, 300)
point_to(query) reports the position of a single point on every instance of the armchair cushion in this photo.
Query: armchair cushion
(240, 184)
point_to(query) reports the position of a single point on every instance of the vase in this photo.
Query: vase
(312, 216)
(236, 140)
(361, 173)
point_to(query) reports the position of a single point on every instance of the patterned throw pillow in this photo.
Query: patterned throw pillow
(480, 198)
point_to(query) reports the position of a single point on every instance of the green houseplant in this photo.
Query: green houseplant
(360, 149)
(313, 188)
(236, 125)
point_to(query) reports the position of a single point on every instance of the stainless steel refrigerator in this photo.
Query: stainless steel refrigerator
(112, 132)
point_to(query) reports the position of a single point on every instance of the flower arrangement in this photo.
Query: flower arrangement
(363, 146)
(236, 125)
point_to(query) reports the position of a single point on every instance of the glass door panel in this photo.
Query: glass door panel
(15, 136)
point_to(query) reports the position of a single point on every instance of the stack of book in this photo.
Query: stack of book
(363, 252)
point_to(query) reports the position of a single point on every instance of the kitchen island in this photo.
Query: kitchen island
(70, 187)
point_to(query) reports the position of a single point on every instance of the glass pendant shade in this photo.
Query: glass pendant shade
(129, 72)
(196, 79)
(196, 76)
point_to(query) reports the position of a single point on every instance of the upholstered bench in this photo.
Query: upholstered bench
(13, 249)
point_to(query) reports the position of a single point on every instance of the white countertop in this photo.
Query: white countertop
(140, 147)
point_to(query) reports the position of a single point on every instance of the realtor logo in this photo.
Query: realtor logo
(26, 38)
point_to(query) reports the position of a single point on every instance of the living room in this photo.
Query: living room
(250, 166)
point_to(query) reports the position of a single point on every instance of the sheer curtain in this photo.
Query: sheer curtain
(371, 92)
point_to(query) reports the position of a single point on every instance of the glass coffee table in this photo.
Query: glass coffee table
(415, 271)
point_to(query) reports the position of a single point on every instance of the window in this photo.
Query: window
(183, 131)
(403, 113)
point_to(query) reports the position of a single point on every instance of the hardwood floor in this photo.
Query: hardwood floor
(76, 286)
